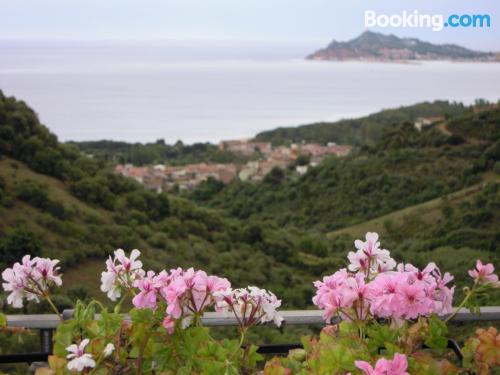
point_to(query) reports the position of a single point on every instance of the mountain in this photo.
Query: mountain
(374, 46)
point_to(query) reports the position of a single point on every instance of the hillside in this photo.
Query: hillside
(374, 46)
(432, 193)
(404, 168)
(56, 202)
(156, 152)
(360, 131)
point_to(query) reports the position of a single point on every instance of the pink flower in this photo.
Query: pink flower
(413, 301)
(174, 295)
(169, 324)
(148, 287)
(370, 258)
(129, 264)
(483, 274)
(414, 274)
(397, 366)
(47, 271)
(442, 294)
(121, 272)
(337, 291)
(383, 294)
(189, 292)
(30, 279)
(250, 305)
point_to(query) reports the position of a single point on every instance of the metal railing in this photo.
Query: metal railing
(47, 323)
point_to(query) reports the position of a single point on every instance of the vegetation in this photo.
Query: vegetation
(431, 192)
(361, 131)
(61, 203)
(156, 153)
(376, 46)
(386, 320)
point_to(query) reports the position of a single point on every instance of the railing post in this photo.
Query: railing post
(46, 340)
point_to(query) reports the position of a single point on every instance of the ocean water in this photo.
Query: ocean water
(208, 91)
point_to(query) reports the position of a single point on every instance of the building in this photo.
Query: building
(422, 122)
(186, 177)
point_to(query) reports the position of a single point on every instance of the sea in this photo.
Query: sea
(207, 91)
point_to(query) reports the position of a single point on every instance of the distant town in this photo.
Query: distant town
(301, 157)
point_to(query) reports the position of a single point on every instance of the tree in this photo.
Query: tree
(17, 243)
(275, 176)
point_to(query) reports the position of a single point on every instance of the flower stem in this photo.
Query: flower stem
(119, 305)
(467, 297)
(141, 351)
(242, 337)
(49, 300)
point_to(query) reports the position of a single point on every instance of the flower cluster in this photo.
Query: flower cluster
(397, 366)
(250, 306)
(410, 293)
(30, 279)
(369, 257)
(341, 291)
(373, 287)
(121, 272)
(186, 293)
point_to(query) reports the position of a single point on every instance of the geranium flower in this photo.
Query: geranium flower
(483, 274)
(191, 292)
(169, 324)
(413, 300)
(149, 287)
(30, 279)
(397, 366)
(383, 295)
(47, 271)
(121, 272)
(78, 358)
(370, 258)
(250, 306)
(337, 291)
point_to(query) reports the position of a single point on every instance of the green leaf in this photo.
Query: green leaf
(64, 337)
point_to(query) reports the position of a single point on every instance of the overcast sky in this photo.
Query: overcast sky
(271, 20)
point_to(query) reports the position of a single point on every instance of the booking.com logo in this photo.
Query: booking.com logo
(436, 22)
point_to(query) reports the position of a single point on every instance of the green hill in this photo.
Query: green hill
(59, 203)
(406, 167)
(156, 153)
(360, 131)
(432, 193)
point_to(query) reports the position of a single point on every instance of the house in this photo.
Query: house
(421, 122)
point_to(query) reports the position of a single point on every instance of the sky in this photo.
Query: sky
(257, 20)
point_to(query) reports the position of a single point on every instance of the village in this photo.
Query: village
(163, 177)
